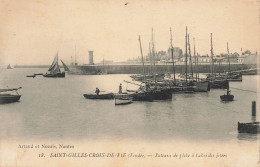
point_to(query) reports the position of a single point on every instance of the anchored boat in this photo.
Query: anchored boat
(99, 96)
(7, 97)
(227, 97)
(123, 101)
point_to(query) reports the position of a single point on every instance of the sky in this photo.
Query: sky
(32, 32)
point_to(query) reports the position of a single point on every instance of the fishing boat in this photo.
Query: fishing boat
(251, 127)
(54, 70)
(227, 97)
(9, 66)
(99, 96)
(123, 101)
(8, 97)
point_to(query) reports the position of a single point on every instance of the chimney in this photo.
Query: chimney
(91, 61)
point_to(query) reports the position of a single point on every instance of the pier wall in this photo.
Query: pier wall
(138, 69)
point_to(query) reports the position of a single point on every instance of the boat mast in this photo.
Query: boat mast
(186, 55)
(228, 60)
(190, 57)
(172, 55)
(142, 56)
(196, 63)
(212, 61)
(153, 58)
(150, 57)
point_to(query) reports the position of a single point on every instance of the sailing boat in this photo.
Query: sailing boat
(213, 80)
(54, 70)
(9, 66)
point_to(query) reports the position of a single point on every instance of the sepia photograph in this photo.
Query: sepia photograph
(123, 83)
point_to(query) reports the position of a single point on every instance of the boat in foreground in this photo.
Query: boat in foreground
(9, 98)
(123, 101)
(227, 97)
(100, 96)
(251, 127)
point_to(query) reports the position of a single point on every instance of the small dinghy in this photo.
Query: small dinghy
(100, 96)
(227, 97)
(123, 101)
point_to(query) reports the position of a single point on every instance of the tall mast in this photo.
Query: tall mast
(142, 56)
(186, 70)
(153, 58)
(196, 63)
(190, 57)
(228, 59)
(211, 51)
(150, 57)
(172, 55)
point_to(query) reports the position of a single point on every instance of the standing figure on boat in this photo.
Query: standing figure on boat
(120, 89)
(97, 91)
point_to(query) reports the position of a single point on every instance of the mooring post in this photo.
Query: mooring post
(253, 108)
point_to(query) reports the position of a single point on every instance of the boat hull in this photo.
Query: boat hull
(251, 127)
(123, 101)
(8, 98)
(202, 86)
(219, 84)
(227, 98)
(100, 96)
(140, 96)
(57, 75)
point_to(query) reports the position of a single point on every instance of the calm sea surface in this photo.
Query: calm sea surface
(55, 108)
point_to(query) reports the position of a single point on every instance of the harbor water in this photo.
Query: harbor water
(55, 108)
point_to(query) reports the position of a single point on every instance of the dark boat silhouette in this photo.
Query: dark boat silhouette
(251, 127)
(100, 96)
(7, 97)
(227, 97)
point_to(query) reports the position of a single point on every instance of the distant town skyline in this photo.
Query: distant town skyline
(33, 31)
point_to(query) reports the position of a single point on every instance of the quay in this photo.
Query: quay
(138, 68)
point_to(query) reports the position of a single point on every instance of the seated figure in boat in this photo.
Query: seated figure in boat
(97, 91)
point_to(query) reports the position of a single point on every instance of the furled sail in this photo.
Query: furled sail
(66, 68)
(54, 68)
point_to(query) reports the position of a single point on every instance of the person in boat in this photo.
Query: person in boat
(228, 92)
(97, 91)
(120, 89)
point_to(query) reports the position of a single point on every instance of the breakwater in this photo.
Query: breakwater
(138, 69)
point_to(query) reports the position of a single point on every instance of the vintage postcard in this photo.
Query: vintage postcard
(124, 83)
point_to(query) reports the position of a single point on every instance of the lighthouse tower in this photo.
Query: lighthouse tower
(91, 60)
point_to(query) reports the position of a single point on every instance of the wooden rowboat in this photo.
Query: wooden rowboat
(100, 96)
(123, 101)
